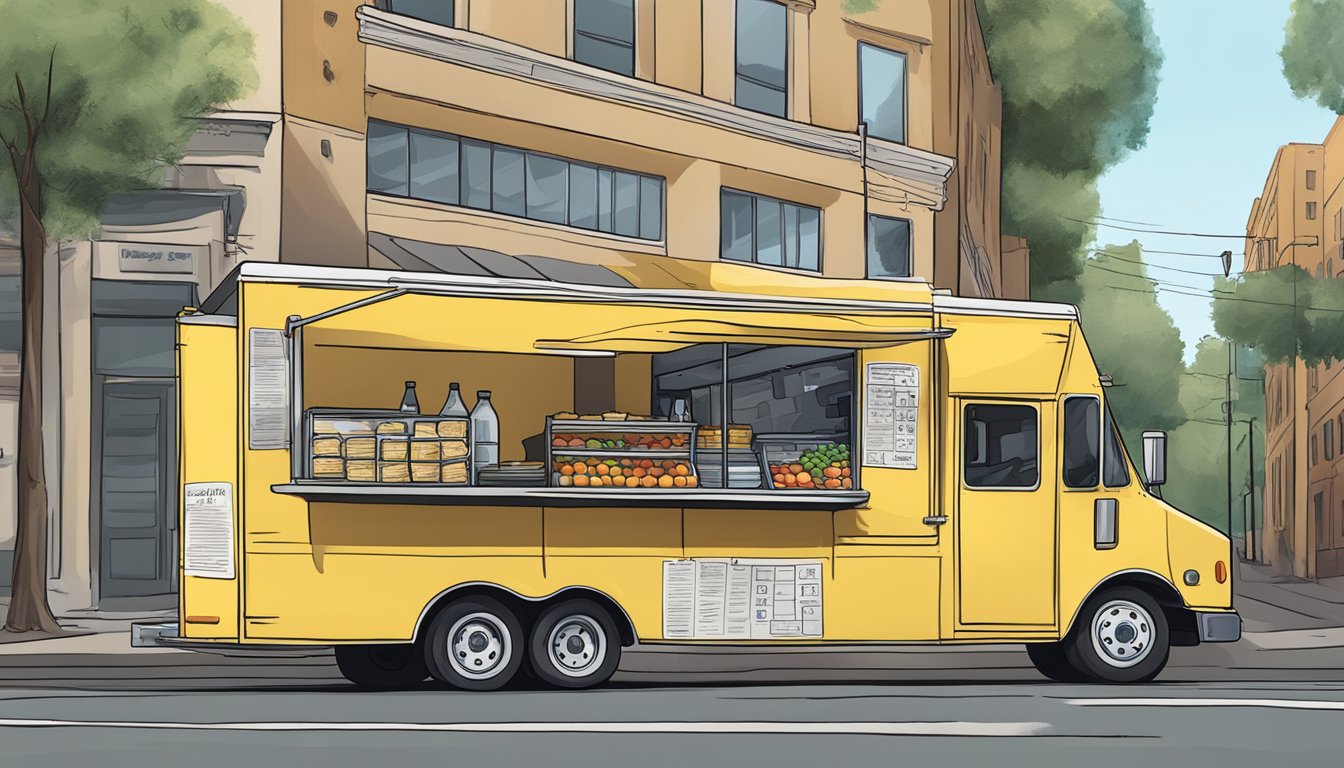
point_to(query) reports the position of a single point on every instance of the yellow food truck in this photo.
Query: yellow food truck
(721, 455)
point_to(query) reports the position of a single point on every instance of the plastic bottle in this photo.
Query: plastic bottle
(454, 406)
(484, 435)
(409, 402)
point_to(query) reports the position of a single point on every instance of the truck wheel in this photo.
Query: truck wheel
(381, 666)
(476, 644)
(575, 645)
(1052, 660)
(1121, 637)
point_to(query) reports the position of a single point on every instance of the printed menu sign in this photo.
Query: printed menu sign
(208, 530)
(741, 599)
(267, 390)
(891, 415)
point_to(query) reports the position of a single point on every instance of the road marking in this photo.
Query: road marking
(801, 728)
(1263, 703)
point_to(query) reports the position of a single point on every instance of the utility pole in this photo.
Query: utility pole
(1227, 410)
(1251, 543)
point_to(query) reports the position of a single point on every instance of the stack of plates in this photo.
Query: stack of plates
(744, 468)
(513, 474)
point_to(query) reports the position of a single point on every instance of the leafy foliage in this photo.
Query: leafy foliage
(1134, 340)
(1079, 81)
(1313, 52)
(1197, 453)
(125, 81)
(1283, 313)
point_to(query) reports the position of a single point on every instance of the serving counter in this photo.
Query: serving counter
(372, 493)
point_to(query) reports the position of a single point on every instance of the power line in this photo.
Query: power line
(1128, 221)
(1241, 236)
(1205, 296)
(1110, 255)
(1184, 253)
(1154, 280)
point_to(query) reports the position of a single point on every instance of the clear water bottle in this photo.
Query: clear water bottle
(484, 435)
(454, 406)
(409, 402)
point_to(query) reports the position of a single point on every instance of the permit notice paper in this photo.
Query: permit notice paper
(891, 416)
(208, 530)
(740, 599)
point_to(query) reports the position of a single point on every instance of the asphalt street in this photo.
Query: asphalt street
(770, 707)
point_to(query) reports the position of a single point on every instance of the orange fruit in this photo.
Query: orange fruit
(603, 469)
(638, 472)
(665, 481)
(832, 482)
(581, 480)
(831, 472)
(618, 481)
(679, 481)
(565, 469)
(580, 468)
(566, 480)
(692, 481)
(846, 483)
(795, 468)
(648, 481)
(779, 479)
(790, 478)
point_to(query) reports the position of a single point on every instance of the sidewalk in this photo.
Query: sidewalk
(1285, 613)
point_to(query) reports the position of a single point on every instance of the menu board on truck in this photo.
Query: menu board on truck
(740, 599)
(891, 415)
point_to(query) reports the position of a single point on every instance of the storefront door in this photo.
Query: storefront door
(137, 488)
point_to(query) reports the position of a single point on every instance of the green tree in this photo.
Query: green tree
(1197, 479)
(1133, 340)
(96, 98)
(1283, 313)
(1313, 52)
(1079, 81)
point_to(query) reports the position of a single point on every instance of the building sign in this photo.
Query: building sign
(170, 259)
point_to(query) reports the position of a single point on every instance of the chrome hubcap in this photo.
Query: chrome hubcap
(576, 646)
(479, 646)
(1122, 633)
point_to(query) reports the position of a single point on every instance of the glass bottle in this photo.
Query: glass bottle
(454, 406)
(409, 402)
(484, 435)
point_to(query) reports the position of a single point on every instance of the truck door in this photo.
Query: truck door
(1005, 518)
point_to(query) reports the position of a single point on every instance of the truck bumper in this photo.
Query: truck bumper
(152, 634)
(1222, 627)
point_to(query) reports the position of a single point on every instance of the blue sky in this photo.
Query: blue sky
(1223, 109)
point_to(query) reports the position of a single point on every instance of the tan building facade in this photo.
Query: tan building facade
(512, 138)
(1298, 219)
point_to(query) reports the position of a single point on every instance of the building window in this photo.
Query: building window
(1311, 179)
(761, 82)
(1001, 447)
(888, 247)
(770, 232)
(1315, 457)
(437, 11)
(604, 35)
(455, 170)
(1328, 439)
(882, 92)
(1311, 211)
(1340, 430)
(11, 313)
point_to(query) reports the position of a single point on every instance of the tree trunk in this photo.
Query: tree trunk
(28, 607)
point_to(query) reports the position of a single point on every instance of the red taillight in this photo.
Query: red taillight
(1220, 571)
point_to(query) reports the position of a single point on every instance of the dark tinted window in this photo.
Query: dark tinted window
(762, 57)
(387, 158)
(434, 167)
(888, 247)
(1002, 446)
(437, 11)
(1117, 468)
(1082, 442)
(604, 34)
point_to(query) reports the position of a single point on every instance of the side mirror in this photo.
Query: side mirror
(1155, 458)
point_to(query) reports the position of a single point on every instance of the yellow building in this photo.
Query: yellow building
(1299, 219)
(512, 138)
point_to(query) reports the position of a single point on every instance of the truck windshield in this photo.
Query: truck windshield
(1115, 471)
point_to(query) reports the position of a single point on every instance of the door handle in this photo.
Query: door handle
(1105, 523)
(935, 520)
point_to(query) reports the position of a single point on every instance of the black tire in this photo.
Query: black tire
(1130, 623)
(476, 644)
(575, 644)
(382, 666)
(1053, 661)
